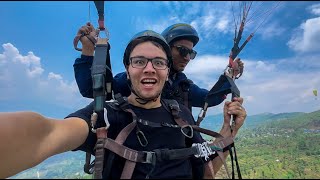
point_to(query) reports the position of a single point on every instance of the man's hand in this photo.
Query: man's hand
(234, 108)
(87, 45)
(238, 67)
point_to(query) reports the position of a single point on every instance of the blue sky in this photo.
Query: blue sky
(281, 61)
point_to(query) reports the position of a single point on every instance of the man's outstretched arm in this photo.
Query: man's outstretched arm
(28, 138)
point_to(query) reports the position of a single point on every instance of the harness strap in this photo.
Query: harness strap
(155, 124)
(124, 105)
(207, 131)
(186, 100)
(187, 97)
(124, 133)
(132, 156)
(166, 154)
(175, 112)
(128, 153)
(122, 136)
(221, 155)
(128, 170)
(98, 167)
(208, 165)
(101, 74)
(150, 157)
(88, 167)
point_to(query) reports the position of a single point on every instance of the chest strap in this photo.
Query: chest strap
(204, 150)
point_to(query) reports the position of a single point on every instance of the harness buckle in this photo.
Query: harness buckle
(150, 157)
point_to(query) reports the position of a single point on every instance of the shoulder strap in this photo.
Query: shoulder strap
(171, 104)
(185, 90)
(122, 102)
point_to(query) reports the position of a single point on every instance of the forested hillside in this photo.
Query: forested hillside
(282, 148)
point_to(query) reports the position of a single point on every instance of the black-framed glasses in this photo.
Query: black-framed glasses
(141, 62)
(183, 51)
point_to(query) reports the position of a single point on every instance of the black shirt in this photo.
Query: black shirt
(157, 137)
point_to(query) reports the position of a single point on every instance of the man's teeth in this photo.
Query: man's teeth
(149, 81)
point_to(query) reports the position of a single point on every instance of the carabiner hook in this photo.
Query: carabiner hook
(144, 138)
(186, 133)
(106, 33)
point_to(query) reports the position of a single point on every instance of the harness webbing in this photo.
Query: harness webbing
(101, 74)
(98, 167)
(207, 150)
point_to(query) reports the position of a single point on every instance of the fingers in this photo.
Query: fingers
(239, 99)
(235, 108)
(87, 29)
(240, 63)
(87, 45)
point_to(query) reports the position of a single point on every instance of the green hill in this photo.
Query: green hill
(301, 121)
(285, 148)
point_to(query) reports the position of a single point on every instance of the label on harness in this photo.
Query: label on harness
(204, 150)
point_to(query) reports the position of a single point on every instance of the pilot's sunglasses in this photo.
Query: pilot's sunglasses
(183, 51)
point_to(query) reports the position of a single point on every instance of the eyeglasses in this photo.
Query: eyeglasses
(141, 62)
(183, 51)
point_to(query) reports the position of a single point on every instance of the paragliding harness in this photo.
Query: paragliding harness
(184, 87)
(207, 150)
(101, 71)
(181, 93)
(102, 91)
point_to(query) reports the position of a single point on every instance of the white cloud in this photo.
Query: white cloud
(315, 9)
(207, 18)
(266, 86)
(22, 78)
(307, 37)
(211, 19)
(270, 30)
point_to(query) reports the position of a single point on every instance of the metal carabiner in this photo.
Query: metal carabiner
(94, 117)
(105, 115)
(144, 137)
(185, 133)
(106, 33)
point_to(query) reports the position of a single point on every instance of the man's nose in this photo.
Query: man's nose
(149, 67)
(187, 57)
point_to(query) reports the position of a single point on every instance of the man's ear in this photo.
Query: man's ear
(167, 79)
